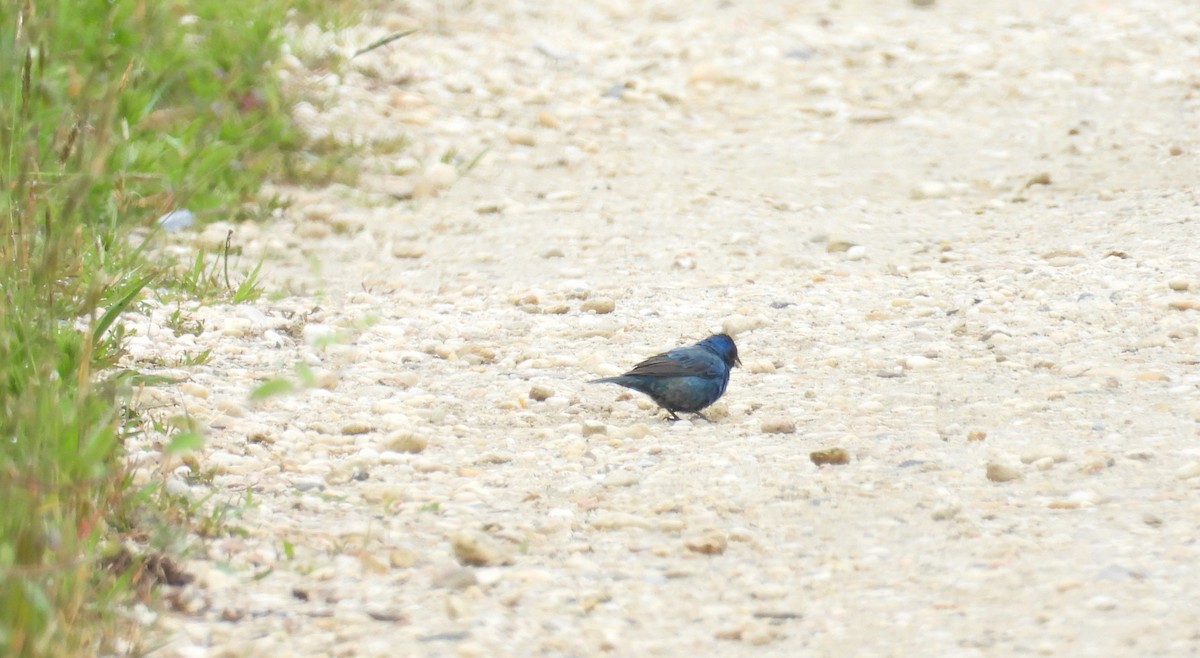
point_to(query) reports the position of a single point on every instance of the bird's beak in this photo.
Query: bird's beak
(737, 361)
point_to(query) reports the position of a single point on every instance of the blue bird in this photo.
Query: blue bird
(686, 378)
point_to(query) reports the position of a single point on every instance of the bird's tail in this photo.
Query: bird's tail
(620, 380)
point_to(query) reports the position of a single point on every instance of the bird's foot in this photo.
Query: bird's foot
(671, 417)
(706, 418)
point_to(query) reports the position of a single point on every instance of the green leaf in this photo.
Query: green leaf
(271, 388)
(120, 306)
(184, 442)
(306, 374)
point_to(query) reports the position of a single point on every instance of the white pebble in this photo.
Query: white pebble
(919, 363)
(317, 333)
(1189, 471)
(930, 190)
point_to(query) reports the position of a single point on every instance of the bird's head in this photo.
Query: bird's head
(724, 347)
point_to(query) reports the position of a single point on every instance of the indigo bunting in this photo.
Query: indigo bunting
(686, 378)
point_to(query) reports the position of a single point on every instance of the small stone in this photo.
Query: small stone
(761, 367)
(318, 212)
(838, 246)
(356, 427)
(617, 520)
(1151, 519)
(712, 73)
(194, 390)
(1001, 472)
(599, 305)
(731, 633)
(622, 478)
(1102, 602)
(1037, 454)
(832, 456)
(372, 564)
(540, 392)
(594, 427)
(872, 116)
(438, 177)
(231, 407)
(770, 592)
(407, 250)
(930, 190)
(399, 380)
(213, 236)
(1188, 471)
(399, 188)
(177, 487)
(1185, 331)
(469, 649)
(778, 615)
(547, 120)
(521, 137)
(976, 435)
(758, 633)
(430, 467)
(476, 549)
(489, 207)
(458, 579)
(919, 363)
(779, 426)
(1179, 285)
(237, 327)
(735, 325)
(318, 334)
(1042, 178)
(402, 558)
(945, 512)
(708, 543)
(857, 252)
(494, 458)
(312, 230)
(405, 442)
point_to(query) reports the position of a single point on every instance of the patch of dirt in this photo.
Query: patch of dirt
(956, 246)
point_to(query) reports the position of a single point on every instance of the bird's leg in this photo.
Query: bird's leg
(706, 418)
(671, 415)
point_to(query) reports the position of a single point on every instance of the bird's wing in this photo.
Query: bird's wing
(681, 362)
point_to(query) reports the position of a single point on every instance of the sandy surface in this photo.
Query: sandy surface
(958, 242)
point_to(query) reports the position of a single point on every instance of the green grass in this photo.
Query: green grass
(111, 114)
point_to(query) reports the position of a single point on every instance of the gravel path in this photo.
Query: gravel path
(956, 242)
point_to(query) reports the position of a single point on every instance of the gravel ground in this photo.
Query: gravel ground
(954, 242)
